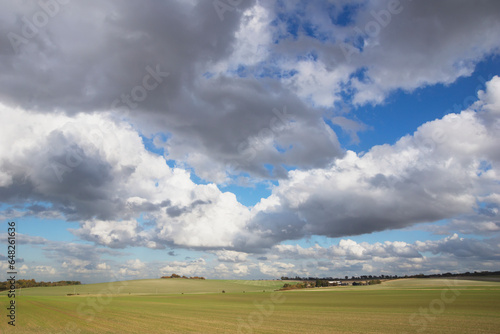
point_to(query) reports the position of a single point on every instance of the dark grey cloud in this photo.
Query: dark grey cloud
(244, 124)
(268, 229)
(77, 184)
(485, 221)
(149, 207)
(90, 53)
(98, 56)
(483, 249)
(176, 211)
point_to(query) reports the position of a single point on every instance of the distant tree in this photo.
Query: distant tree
(24, 283)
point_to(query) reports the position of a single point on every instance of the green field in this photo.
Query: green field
(191, 306)
(157, 286)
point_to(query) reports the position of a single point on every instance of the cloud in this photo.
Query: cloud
(369, 55)
(348, 257)
(296, 251)
(103, 266)
(350, 126)
(137, 45)
(349, 250)
(463, 248)
(436, 173)
(149, 65)
(221, 269)
(217, 119)
(100, 173)
(262, 124)
(76, 266)
(186, 268)
(484, 221)
(231, 256)
(116, 43)
(133, 268)
(44, 270)
(73, 259)
(394, 61)
(110, 233)
(439, 172)
(276, 269)
(23, 270)
(241, 269)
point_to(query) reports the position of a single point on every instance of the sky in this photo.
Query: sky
(249, 139)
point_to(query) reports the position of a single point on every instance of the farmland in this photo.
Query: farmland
(199, 306)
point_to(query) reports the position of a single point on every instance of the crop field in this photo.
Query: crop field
(157, 286)
(192, 306)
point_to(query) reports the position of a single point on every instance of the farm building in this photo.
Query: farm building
(334, 283)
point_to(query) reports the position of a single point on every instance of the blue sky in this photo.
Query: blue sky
(310, 138)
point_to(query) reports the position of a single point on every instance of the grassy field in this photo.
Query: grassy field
(158, 306)
(157, 286)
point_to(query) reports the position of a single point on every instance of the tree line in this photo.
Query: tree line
(378, 277)
(186, 277)
(31, 283)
